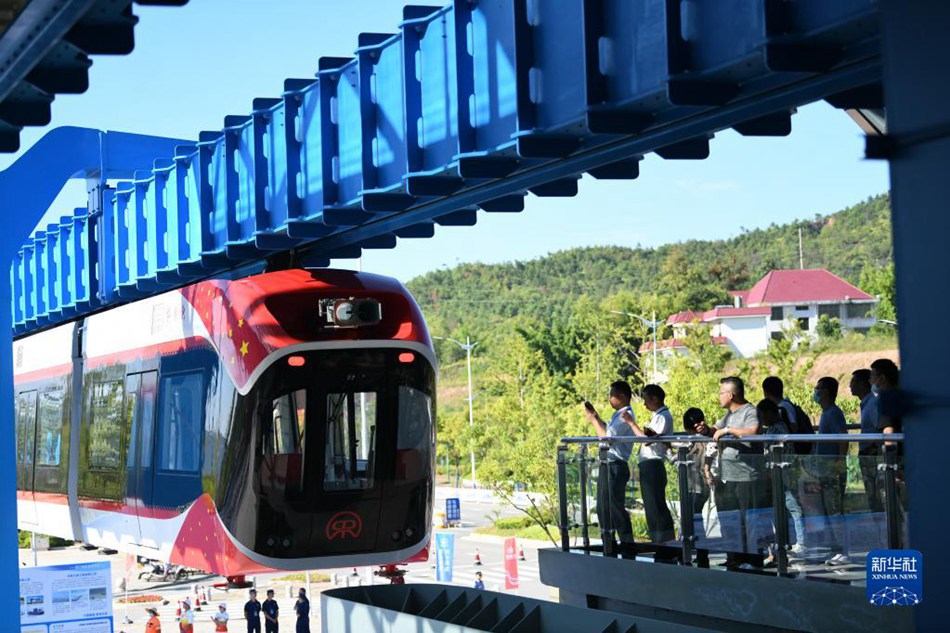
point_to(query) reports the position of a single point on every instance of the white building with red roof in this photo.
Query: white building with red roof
(781, 299)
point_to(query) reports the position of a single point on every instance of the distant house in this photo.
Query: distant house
(780, 299)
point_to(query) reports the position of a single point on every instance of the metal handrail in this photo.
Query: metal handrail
(762, 439)
(775, 448)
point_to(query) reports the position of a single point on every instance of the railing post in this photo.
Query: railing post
(603, 493)
(564, 523)
(891, 503)
(585, 534)
(777, 465)
(686, 504)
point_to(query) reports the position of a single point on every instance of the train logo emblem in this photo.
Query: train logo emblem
(343, 525)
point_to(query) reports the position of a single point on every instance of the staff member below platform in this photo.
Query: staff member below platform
(252, 613)
(186, 623)
(220, 619)
(154, 625)
(618, 456)
(270, 609)
(302, 609)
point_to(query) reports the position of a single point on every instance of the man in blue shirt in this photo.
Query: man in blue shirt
(270, 609)
(252, 613)
(479, 583)
(618, 469)
(832, 466)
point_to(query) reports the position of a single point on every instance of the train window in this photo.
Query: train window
(289, 417)
(25, 427)
(181, 422)
(351, 438)
(104, 440)
(415, 434)
(49, 428)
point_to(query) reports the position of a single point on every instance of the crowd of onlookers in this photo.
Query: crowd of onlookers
(732, 476)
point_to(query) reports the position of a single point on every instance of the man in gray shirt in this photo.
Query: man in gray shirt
(613, 491)
(742, 463)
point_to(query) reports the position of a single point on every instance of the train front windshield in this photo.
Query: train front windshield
(342, 447)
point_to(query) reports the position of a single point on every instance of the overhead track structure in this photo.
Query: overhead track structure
(467, 107)
(45, 49)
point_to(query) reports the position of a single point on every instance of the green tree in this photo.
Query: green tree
(828, 327)
(880, 281)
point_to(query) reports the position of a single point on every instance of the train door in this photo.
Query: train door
(140, 408)
(25, 445)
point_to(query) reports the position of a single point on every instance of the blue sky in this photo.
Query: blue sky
(194, 65)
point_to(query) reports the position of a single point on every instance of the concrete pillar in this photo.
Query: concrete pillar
(916, 54)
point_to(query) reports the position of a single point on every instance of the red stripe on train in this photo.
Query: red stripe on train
(130, 506)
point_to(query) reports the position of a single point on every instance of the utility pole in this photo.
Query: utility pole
(801, 253)
(650, 323)
(468, 346)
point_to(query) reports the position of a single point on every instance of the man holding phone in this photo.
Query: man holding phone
(613, 491)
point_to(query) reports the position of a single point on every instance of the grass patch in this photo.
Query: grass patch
(860, 343)
(301, 576)
(533, 531)
(523, 527)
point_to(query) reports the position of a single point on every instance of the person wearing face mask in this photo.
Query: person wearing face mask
(302, 610)
(832, 466)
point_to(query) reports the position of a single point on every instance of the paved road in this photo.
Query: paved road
(490, 549)
(475, 513)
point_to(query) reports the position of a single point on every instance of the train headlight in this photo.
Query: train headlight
(350, 312)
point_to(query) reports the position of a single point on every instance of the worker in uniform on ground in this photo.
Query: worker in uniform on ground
(270, 609)
(479, 583)
(154, 625)
(186, 623)
(302, 609)
(252, 613)
(221, 618)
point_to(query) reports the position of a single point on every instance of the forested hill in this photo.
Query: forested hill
(693, 274)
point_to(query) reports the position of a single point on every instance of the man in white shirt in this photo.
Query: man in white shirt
(618, 469)
(652, 464)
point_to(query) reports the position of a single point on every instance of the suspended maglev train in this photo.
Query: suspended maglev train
(280, 421)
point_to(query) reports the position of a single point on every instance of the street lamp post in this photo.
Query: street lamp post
(650, 323)
(468, 346)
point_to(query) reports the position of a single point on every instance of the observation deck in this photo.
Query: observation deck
(717, 572)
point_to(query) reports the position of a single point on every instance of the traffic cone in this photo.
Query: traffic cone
(178, 612)
(478, 558)
(521, 552)
(355, 573)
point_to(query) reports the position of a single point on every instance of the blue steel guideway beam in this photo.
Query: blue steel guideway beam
(63, 255)
(466, 107)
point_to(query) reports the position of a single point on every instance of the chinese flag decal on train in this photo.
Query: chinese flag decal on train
(343, 525)
(204, 544)
(226, 309)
